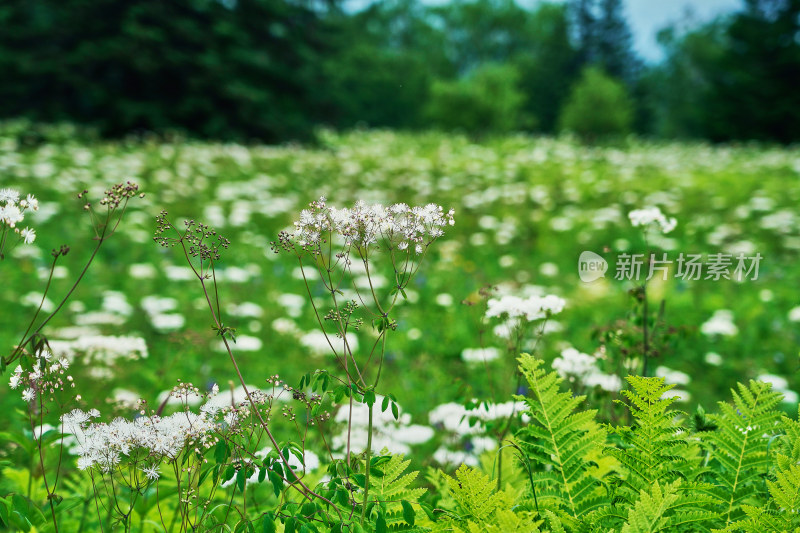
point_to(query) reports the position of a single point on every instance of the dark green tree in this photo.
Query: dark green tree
(603, 37)
(599, 106)
(386, 57)
(754, 91)
(239, 69)
(548, 66)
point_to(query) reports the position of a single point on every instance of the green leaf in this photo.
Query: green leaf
(221, 452)
(277, 483)
(268, 524)
(369, 397)
(408, 512)
(380, 524)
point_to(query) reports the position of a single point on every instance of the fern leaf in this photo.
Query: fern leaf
(654, 488)
(782, 513)
(474, 494)
(393, 487)
(480, 508)
(647, 514)
(655, 448)
(739, 445)
(559, 439)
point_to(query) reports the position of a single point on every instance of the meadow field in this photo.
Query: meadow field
(525, 209)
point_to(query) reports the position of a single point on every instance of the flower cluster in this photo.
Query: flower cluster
(720, 324)
(119, 193)
(102, 349)
(401, 226)
(530, 308)
(103, 445)
(466, 429)
(573, 366)
(199, 240)
(652, 215)
(12, 212)
(47, 376)
(395, 435)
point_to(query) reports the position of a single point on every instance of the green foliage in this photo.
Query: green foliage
(598, 106)
(740, 446)
(654, 449)
(668, 508)
(781, 512)
(563, 441)
(392, 489)
(655, 486)
(487, 100)
(479, 507)
(244, 69)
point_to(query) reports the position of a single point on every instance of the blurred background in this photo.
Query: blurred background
(274, 71)
(238, 113)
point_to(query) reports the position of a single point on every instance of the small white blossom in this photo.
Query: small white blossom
(720, 323)
(9, 196)
(151, 472)
(28, 235)
(652, 215)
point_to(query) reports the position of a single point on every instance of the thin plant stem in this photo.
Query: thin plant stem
(366, 471)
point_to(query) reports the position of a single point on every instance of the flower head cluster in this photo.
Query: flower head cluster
(46, 377)
(530, 308)
(120, 193)
(12, 212)
(102, 349)
(652, 216)
(400, 226)
(397, 436)
(200, 240)
(104, 445)
(575, 366)
(720, 323)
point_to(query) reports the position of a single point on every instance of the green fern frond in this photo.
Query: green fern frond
(655, 485)
(554, 522)
(474, 494)
(739, 445)
(389, 486)
(647, 514)
(673, 508)
(561, 440)
(782, 513)
(479, 507)
(655, 448)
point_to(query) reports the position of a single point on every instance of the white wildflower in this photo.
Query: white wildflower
(28, 235)
(151, 472)
(720, 323)
(9, 196)
(652, 215)
(480, 355)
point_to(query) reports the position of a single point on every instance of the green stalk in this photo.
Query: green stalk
(366, 473)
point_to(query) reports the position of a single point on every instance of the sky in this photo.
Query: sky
(646, 17)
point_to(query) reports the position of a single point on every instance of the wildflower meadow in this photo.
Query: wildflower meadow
(390, 331)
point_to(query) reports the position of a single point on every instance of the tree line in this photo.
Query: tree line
(275, 70)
